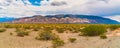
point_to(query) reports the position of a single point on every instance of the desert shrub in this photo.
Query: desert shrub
(23, 33)
(76, 30)
(72, 39)
(58, 42)
(36, 29)
(70, 28)
(48, 28)
(93, 30)
(8, 26)
(17, 30)
(103, 36)
(2, 30)
(20, 29)
(73, 29)
(113, 27)
(60, 30)
(11, 33)
(46, 35)
(27, 27)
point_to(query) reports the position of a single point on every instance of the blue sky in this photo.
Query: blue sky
(35, 2)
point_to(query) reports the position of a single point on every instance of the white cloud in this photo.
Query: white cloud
(116, 17)
(92, 7)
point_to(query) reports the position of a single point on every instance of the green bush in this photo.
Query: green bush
(48, 28)
(113, 27)
(56, 43)
(72, 39)
(60, 30)
(2, 30)
(36, 29)
(23, 33)
(27, 27)
(93, 30)
(70, 29)
(20, 29)
(8, 26)
(46, 35)
(103, 36)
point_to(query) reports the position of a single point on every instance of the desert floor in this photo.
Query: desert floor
(13, 41)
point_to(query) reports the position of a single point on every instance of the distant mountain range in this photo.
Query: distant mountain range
(7, 19)
(90, 19)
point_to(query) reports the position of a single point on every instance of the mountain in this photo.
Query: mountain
(6, 19)
(66, 19)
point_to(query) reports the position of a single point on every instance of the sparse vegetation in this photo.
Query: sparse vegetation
(57, 42)
(60, 30)
(2, 30)
(46, 35)
(23, 33)
(113, 27)
(46, 32)
(94, 30)
(36, 29)
(11, 33)
(72, 40)
(103, 36)
(8, 26)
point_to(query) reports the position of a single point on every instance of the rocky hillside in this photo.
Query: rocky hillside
(65, 19)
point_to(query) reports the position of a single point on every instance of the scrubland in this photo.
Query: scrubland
(59, 35)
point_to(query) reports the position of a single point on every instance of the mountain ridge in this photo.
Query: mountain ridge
(7, 19)
(90, 19)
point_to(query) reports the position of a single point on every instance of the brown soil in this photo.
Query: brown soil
(13, 41)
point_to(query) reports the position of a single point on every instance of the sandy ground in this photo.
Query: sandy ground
(13, 41)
